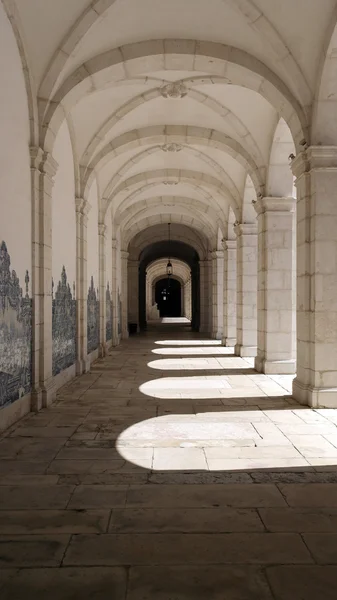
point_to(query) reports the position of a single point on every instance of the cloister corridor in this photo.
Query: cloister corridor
(172, 470)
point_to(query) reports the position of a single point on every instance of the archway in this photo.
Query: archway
(178, 251)
(168, 297)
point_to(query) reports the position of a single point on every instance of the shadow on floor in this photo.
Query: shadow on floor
(170, 484)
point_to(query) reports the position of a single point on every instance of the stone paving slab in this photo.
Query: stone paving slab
(158, 493)
(198, 583)
(32, 550)
(67, 584)
(297, 582)
(172, 549)
(189, 520)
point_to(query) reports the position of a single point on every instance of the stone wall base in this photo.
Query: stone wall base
(229, 342)
(14, 412)
(245, 351)
(64, 377)
(314, 397)
(93, 356)
(275, 367)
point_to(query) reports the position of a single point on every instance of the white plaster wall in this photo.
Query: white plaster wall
(108, 249)
(119, 263)
(92, 233)
(15, 191)
(63, 209)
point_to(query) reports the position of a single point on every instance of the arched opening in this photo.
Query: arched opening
(175, 306)
(168, 297)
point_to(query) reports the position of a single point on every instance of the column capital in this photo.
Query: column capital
(102, 229)
(124, 254)
(114, 244)
(245, 228)
(274, 204)
(82, 206)
(229, 245)
(43, 161)
(216, 254)
(314, 158)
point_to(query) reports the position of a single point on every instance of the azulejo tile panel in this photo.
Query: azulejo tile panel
(64, 325)
(93, 318)
(108, 314)
(15, 333)
(119, 314)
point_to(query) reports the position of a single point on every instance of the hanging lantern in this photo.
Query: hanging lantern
(169, 268)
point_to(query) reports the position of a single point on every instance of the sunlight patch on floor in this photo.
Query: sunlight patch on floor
(188, 342)
(197, 351)
(197, 364)
(228, 440)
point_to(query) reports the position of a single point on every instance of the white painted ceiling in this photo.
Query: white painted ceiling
(286, 37)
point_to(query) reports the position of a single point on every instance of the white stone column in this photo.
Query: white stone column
(133, 292)
(246, 344)
(43, 170)
(102, 290)
(114, 294)
(316, 173)
(125, 316)
(82, 210)
(217, 294)
(230, 295)
(204, 296)
(276, 278)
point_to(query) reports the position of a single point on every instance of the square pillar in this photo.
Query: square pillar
(217, 294)
(316, 181)
(82, 210)
(124, 269)
(276, 281)
(102, 290)
(246, 317)
(133, 292)
(229, 293)
(114, 294)
(205, 324)
(43, 170)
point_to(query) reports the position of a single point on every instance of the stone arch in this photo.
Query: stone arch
(180, 232)
(159, 202)
(223, 176)
(240, 68)
(243, 132)
(199, 181)
(249, 194)
(14, 19)
(231, 220)
(324, 123)
(136, 225)
(249, 11)
(272, 38)
(280, 180)
(161, 134)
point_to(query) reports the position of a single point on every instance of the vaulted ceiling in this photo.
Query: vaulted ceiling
(181, 111)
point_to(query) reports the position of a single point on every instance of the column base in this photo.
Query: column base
(48, 395)
(217, 335)
(275, 367)
(245, 351)
(82, 366)
(125, 335)
(229, 342)
(36, 400)
(314, 397)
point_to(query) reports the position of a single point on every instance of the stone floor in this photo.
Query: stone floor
(172, 471)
